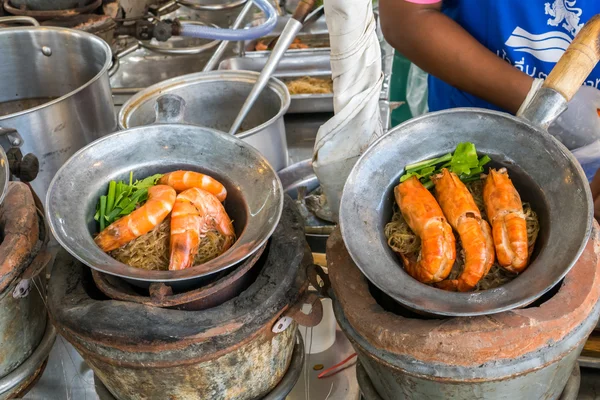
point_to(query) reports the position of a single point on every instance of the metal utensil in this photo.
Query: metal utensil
(254, 201)
(214, 59)
(293, 65)
(290, 31)
(312, 17)
(543, 170)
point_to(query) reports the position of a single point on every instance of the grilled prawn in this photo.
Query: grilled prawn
(424, 216)
(195, 212)
(184, 180)
(505, 212)
(160, 202)
(475, 234)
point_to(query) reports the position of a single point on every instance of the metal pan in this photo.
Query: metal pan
(254, 200)
(543, 170)
(315, 35)
(292, 66)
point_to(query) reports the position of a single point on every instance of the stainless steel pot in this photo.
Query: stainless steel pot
(213, 100)
(543, 170)
(54, 96)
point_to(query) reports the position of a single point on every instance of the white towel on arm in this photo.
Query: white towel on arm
(357, 79)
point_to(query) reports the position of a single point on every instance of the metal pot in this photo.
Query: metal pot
(254, 194)
(55, 97)
(543, 170)
(213, 99)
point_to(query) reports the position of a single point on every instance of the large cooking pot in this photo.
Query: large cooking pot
(54, 94)
(543, 170)
(213, 99)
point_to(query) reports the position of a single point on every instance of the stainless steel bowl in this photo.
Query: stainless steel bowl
(542, 169)
(254, 200)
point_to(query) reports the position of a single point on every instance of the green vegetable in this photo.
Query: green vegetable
(102, 211)
(463, 162)
(122, 199)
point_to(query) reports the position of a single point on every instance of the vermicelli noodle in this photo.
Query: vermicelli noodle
(151, 251)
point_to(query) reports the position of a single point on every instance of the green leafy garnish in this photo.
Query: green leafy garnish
(463, 162)
(122, 199)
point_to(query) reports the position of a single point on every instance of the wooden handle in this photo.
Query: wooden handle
(577, 62)
(302, 10)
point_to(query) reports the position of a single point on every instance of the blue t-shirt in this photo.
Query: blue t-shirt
(531, 35)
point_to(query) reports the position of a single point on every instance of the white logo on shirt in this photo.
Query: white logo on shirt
(549, 46)
(564, 10)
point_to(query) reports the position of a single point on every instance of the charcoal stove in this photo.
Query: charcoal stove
(238, 348)
(527, 353)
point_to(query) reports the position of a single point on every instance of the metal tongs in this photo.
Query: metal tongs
(293, 26)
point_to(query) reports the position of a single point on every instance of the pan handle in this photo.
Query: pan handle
(566, 77)
(577, 62)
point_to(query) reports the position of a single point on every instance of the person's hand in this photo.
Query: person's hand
(595, 185)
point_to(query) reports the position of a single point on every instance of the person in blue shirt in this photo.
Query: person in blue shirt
(484, 53)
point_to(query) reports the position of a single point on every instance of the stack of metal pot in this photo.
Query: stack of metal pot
(225, 329)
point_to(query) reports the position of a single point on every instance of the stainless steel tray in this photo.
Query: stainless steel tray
(313, 63)
(315, 35)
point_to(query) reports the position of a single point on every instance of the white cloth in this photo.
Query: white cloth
(357, 79)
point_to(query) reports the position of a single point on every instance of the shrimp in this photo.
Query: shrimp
(425, 218)
(196, 211)
(160, 202)
(505, 211)
(475, 233)
(183, 180)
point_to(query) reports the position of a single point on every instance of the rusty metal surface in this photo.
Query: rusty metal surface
(246, 372)
(23, 319)
(20, 233)
(26, 386)
(22, 379)
(226, 352)
(214, 294)
(279, 392)
(527, 353)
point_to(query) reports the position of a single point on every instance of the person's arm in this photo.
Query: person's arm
(441, 47)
